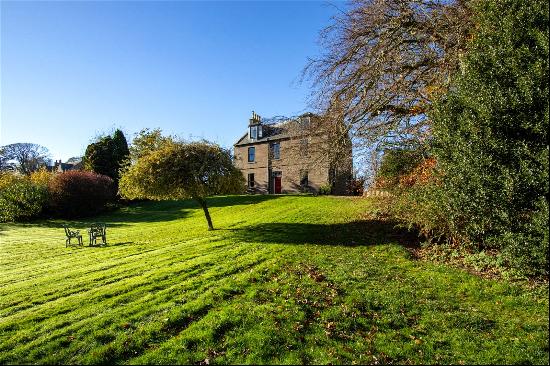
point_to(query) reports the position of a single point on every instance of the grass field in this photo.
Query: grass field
(287, 279)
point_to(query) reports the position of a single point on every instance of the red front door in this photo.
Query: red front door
(277, 184)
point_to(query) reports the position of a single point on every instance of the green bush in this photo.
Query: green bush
(20, 198)
(490, 137)
(325, 189)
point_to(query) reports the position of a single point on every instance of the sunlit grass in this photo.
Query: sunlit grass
(289, 279)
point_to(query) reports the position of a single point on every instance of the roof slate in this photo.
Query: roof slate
(270, 133)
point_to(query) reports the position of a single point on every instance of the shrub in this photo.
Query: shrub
(396, 163)
(486, 187)
(325, 189)
(490, 136)
(20, 198)
(41, 177)
(356, 186)
(79, 193)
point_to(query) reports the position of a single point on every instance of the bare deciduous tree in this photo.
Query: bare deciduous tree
(385, 63)
(28, 157)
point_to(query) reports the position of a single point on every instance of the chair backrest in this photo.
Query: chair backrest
(98, 227)
(67, 230)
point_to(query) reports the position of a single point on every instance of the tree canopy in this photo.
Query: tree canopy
(384, 64)
(178, 170)
(107, 155)
(25, 157)
(491, 135)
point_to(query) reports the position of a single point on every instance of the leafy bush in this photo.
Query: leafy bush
(490, 137)
(20, 198)
(41, 177)
(79, 193)
(395, 164)
(486, 187)
(325, 189)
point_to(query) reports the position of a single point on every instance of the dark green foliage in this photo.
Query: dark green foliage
(490, 136)
(107, 154)
(79, 194)
(20, 198)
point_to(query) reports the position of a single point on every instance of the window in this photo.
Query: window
(304, 178)
(253, 132)
(276, 150)
(251, 180)
(304, 148)
(251, 154)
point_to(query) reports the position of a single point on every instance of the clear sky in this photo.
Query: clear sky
(72, 70)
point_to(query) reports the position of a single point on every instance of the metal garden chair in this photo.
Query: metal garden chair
(72, 234)
(98, 230)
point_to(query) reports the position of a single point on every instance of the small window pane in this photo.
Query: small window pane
(253, 132)
(304, 147)
(276, 149)
(251, 180)
(304, 178)
(251, 154)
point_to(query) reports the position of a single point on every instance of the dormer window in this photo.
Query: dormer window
(255, 127)
(253, 132)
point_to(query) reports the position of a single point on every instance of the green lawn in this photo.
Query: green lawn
(288, 279)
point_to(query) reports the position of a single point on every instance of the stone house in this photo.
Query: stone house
(286, 157)
(60, 167)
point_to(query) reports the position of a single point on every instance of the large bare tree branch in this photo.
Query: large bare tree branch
(386, 61)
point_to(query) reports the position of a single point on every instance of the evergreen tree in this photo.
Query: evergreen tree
(490, 135)
(107, 154)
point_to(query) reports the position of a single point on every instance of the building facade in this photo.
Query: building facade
(286, 157)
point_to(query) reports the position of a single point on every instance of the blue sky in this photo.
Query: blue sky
(72, 70)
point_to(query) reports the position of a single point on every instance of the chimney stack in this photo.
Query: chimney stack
(255, 119)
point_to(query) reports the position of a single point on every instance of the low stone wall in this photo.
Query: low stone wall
(376, 193)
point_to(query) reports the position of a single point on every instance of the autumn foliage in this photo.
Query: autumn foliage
(422, 174)
(79, 193)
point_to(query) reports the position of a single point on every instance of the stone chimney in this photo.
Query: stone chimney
(255, 119)
(255, 130)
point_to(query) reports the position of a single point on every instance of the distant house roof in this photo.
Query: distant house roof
(63, 167)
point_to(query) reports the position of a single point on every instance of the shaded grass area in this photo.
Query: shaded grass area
(283, 279)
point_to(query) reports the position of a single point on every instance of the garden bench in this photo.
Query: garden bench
(98, 230)
(72, 234)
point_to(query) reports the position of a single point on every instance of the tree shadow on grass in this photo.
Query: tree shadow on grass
(132, 214)
(142, 212)
(355, 233)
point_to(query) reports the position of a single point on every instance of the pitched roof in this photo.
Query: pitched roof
(272, 132)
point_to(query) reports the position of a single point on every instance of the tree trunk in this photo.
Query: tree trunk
(202, 202)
